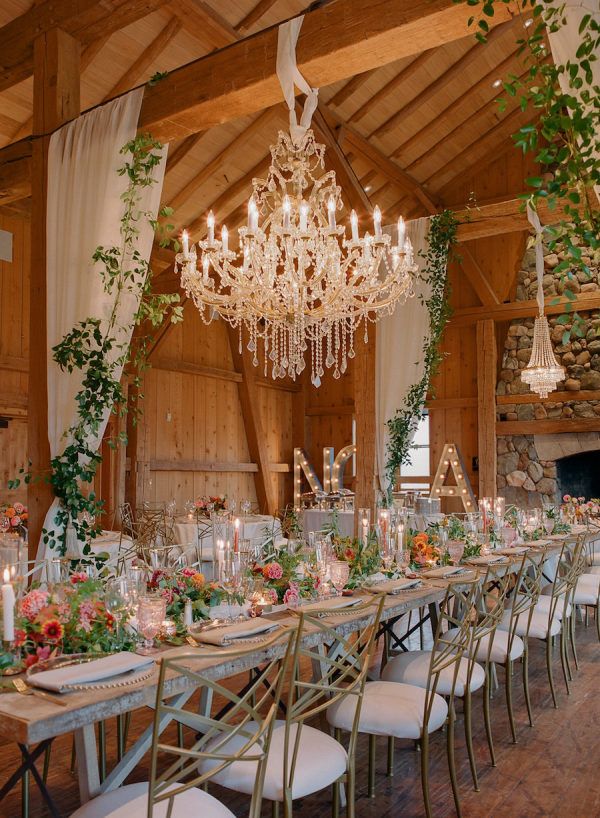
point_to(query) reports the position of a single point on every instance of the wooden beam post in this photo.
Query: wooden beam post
(364, 413)
(486, 407)
(249, 402)
(55, 101)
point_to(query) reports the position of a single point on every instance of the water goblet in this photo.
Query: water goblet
(151, 612)
(456, 549)
(339, 572)
(404, 559)
(246, 506)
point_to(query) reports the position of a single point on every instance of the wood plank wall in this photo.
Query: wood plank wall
(14, 351)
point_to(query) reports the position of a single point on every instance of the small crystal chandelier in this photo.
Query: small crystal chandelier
(543, 372)
(298, 283)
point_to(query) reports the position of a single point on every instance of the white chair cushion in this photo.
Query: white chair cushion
(321, 761)
(593, 571)
(389, 709)
(586, 593)
(590, 580)
(131, 801)
(413, 668)
(539, 624)
(545, 601)
(499, 651)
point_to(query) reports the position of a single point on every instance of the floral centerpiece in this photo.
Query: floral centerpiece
(457, 532)
(13, 518)
(187, 584)
(283, 576)
(364, 558)
(207, 504)
(424, 547)
(70, 618)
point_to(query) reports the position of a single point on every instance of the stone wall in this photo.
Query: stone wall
(522, 477)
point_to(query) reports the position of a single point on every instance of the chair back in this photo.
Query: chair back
(571, 563)
(340, 663)
(241, 732)
(526, 592)
(490, 599)
(457, 616)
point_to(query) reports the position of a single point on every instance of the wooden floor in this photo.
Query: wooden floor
(553, 772)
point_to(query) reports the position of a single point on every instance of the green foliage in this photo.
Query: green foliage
(442, 238)
(565, 138)
(100, 347)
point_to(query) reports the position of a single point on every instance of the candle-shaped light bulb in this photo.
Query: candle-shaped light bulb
(287, 209)
(210, 224)
(252, 215)
(303, 216)
(354, 226)
(205, 267)
(401, 233)
(395, 259)
(367, 247)
(225, 239)
(185, 243)
(377, 221)
(8, 608)
(331, 212)
(246, 262)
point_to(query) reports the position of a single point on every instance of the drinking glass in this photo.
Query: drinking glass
(232, 580)
(455, 550)
(57, 569)
(115, 601)
(404, 559)
(151, 612)
(246, 506)
(339, 573)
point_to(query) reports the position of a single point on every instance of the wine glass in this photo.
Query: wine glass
(404, 559)
(246, 506)
(151, 611)
(115, 600)
(456, 549)
(339, 573)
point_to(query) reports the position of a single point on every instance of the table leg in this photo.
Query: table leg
(87, 762)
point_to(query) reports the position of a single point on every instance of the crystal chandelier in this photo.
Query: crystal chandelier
(298, 283)
(543, 372)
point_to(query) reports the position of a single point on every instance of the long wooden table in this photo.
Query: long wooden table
(31, 721)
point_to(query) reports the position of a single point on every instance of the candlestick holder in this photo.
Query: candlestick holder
(15, 652)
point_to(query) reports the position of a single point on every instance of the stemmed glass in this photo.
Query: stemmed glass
(115, 600)
(339, 572)
(151, 612)
(455, 550)
(404, 559)
(232, 580)
(246, 506)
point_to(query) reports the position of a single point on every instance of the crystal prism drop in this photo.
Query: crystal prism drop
(329, 361)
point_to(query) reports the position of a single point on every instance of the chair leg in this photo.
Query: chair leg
(274, 809)
(102, 749)
(549, 669)
(371, 782)
(469, 738)
(564, 660)
(451, 758)
(350, 792)
(486, 715)
(525, 661)
(572, 623)
(598, 619)
(508, 667)
(335, 799)
(424, 745)
(390, 757)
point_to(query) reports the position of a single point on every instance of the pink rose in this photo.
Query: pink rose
(19, 508)
(33, 602)
(78, 576)
(188, 572)
(272, 570)
(291, 597)
(15, 521)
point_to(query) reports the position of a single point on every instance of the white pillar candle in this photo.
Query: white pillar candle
(185, 241)
(354, 226)
(225, 239)
(331, 213)
(210, 223)
(377, 221)
(188, 617)
(8, 608)
(401, 233)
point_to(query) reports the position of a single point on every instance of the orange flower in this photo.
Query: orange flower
(198, 580)
(421, 540)
(10, 512)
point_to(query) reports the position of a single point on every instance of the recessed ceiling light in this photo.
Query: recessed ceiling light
(496, 83)
(368, 188)
(528, 22)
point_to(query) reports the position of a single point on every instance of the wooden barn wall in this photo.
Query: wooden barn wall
(192, 417)
(14, 350)
(453, 413)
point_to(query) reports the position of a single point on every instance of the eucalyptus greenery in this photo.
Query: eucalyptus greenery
(100, 347)
(564, 134)
(401, 427)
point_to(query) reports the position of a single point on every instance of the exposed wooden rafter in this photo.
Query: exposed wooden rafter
(201, 19)
(255, 14)
(350, 88)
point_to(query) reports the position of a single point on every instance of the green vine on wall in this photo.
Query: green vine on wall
(565, 137)
(100, 348)
(401, 428)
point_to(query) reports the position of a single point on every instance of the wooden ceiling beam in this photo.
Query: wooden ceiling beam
(524, 309)
(351, 87)
(475, 275)
(182, 150)
(137, 71)
(85, 20)
(202, 20)
(255, 14)
(336, 41)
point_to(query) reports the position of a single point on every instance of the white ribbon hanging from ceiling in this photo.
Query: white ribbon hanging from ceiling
(290, 77)
(534, 221)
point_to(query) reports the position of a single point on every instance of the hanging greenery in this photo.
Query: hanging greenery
(100, 348)
(401, 428)
(564, 134)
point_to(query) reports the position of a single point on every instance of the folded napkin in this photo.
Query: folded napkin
(392, 586)
(517, 549)
(489, 560)
(335, 604)
(93, 671)
(445, 571)
(221, 635)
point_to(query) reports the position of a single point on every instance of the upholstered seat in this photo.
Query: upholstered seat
(590, 580)
(413, 668)
(499, 651)
(586, 592)
(539, 624)
(545, 601)
(389, 709)
(321, 760)
(131, 801)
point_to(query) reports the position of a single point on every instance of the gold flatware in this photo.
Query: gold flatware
(26, 690)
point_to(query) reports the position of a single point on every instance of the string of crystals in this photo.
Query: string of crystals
(298, 282)
(543, 371)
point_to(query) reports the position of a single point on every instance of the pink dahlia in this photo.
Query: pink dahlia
(272, 570)
(33, 602)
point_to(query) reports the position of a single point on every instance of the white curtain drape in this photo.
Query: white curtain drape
(399, 351)
(84, 211)
(565, 42)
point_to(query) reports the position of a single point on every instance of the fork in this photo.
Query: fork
(23, 688)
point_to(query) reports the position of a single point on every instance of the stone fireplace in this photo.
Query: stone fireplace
(537, 468)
